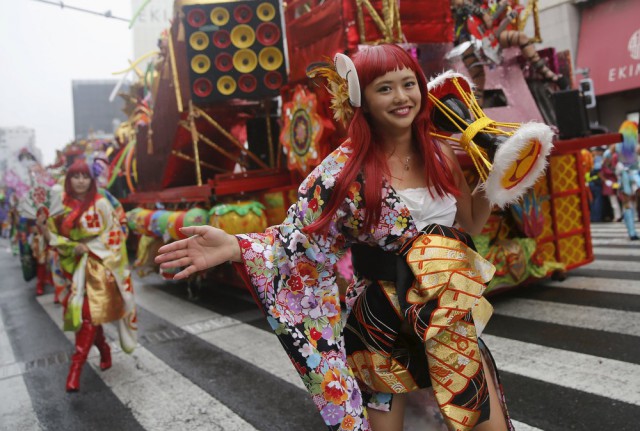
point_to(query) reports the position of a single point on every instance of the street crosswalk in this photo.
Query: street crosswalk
(568, 352)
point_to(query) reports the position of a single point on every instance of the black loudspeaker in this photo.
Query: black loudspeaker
(235, 50)
(571, 114)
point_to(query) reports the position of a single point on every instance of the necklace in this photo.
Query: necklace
(406, 162)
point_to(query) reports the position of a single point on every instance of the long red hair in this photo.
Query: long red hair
(368, 154)
(79, 206)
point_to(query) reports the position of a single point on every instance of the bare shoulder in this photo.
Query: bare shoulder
(447, 150)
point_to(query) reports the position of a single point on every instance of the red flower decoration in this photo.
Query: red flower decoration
(39, 195)
(93, 221)
(295, 283)
(313, 204)
(315, 334)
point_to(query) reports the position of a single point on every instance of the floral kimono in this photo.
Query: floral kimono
(291, 275)
(102, 275)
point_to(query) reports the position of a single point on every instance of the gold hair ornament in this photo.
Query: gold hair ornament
(342, 85)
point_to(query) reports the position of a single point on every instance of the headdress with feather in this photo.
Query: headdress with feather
(342, 85)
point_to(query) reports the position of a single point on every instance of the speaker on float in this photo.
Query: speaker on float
(571, 114)
(235, 50)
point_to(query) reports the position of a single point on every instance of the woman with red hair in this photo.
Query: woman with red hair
(391, 194)
(91, 245)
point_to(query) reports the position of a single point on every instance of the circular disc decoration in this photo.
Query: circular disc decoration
(242, 36)
(266, 11)
(270, 58)
(239, 217)
(273, 80)
(221, 39)
(199, 40)
(243, 14)
(247, 83)
(224, 62)
(219, 16)
(202, 87)
(302, 131)
(196, 17)
(196, 217)
(159, 222)
(245, 60)
(200, 63)
(268, 33)
(523, 164)
(175, 222)
(143, 217)
(131, 218)
(226, 85)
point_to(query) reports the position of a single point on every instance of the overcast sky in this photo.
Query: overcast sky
(43, 48)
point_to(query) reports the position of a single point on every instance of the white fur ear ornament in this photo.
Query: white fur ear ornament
(347, 70)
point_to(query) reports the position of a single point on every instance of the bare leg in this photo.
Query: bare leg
(496, 420)
(476, 70)
(615, 206)
(392, 420)
(510, 38)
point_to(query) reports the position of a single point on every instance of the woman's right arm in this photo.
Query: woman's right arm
(65, 246)
(205, 248)
(291, 276)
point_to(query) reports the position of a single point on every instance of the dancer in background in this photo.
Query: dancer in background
(628, 174)
(91, 246)
(40, 251)
(478, 12)
(610, 183)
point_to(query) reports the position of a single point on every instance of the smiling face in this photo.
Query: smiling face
(80, 183)
(393, 101)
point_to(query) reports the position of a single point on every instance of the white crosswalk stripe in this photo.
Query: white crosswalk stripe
(158, 396)
(595, 284)
(609, 251)
(16, 409)
(225, 332)
(599, 376)
(617, 321)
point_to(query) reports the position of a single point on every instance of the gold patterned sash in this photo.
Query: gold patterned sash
(449, 272)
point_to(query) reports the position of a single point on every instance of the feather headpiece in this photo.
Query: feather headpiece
(342, 85)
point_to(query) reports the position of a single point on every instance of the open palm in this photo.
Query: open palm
(205, 248)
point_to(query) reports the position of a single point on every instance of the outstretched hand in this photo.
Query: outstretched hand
(206, 247)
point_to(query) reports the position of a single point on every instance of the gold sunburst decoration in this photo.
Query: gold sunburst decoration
(303, 131)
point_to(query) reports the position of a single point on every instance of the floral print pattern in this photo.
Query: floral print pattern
(292, 276)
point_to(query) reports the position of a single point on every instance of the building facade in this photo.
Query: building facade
(603, 37)
(12, 140)
(94, 115)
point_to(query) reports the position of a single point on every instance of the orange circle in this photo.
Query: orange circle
(226, 85)
(242, 36)
(266, 11)
(523, 165)
(270, 58)
(200, 63)
(219, 16)
(245, 60)
(199, 40)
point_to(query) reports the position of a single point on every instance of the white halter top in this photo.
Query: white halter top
(425, 209)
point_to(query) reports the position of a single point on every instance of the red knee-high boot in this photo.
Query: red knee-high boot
(105, 351)
(84, 340)
(41, 274)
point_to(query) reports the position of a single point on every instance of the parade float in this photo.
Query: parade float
(224, 123)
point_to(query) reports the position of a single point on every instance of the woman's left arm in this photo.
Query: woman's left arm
(473, 206)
